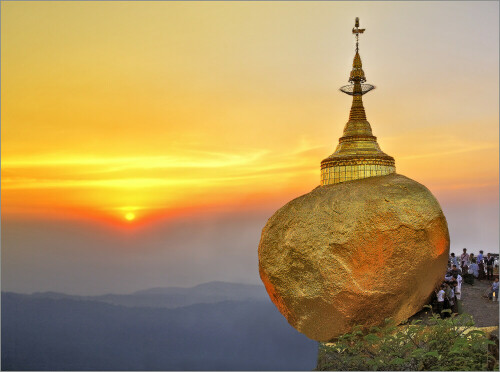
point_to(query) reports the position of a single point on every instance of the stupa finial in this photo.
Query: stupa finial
(357, 76)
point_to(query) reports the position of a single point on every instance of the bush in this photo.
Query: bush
(450, 344)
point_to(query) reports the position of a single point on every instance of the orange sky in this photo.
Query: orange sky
(149, 108)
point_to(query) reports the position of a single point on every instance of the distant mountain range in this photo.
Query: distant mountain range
(171, 297)
(213, 326)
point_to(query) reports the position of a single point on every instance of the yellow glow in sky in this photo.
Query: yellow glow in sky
(130, 216)
(172, 105)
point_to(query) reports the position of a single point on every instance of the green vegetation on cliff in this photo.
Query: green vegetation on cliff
(449, 344)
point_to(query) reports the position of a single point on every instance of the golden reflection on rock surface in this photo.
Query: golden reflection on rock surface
(354, 253)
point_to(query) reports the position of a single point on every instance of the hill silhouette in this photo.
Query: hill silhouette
(171, 297)
(60, 332)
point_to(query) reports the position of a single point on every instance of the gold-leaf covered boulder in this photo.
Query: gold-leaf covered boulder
(354, 253)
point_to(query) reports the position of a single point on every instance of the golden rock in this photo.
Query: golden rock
(354, 252)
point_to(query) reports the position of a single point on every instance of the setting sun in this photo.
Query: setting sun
(130, 216)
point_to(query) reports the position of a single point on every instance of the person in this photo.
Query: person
(453, 259)
(480, 257)
(447, 296)
(459, 284)
(458, 297)
(447, 292)
(448, 277)
(474, 268)
(454, 271)
(469, 275)
(494, 289)
(440, 299)
(451, 298)
(489, 266)
(480, 263)
(472, 273)
(471, 257)
(464, 259)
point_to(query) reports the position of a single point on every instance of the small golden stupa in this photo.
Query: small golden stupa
(358, 154)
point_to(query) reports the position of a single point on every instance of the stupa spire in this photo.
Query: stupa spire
(358, 154)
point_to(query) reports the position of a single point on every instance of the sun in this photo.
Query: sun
(130, 216)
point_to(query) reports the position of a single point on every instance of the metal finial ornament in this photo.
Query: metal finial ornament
(357, 77)
(356, 30)
(358, 154)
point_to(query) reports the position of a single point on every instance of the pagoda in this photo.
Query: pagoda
(351, 252)
(358, 154)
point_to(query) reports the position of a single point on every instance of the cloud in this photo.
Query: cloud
(108, 185)
(133, 172)
(198, 159)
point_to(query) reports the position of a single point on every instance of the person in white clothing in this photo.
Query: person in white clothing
(453, 260)
(458, 288)
(440, 299)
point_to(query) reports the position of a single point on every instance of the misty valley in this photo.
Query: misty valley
(213, 326)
